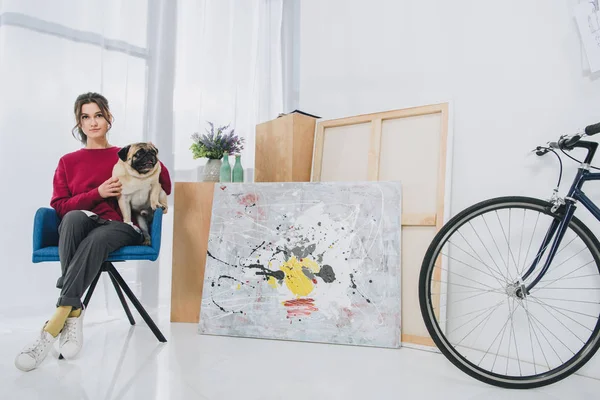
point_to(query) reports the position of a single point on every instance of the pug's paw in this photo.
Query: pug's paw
(147, 240)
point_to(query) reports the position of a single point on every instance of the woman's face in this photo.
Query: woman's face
(93, 123)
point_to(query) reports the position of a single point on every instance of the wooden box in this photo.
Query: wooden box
(284, 149)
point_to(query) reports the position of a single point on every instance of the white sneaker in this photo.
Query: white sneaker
(33, 355)
(71, 336)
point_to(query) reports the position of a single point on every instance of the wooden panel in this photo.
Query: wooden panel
(421, 340)
(304, 139)
(418, 219)
(402, 113)
(375, 149)
(274, 144)
(284, 149)
(441, 178)
(344, 156)
(415, 241)
(318, 153)
(191, 226)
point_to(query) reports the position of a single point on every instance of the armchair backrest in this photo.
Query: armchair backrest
(45, 228)
(156, 229)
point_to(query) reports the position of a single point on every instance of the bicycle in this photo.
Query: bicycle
(502, 306)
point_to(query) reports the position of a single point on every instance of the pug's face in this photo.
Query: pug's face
(142, 157)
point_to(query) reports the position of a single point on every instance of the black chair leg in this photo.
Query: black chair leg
(90, 291)
(113, 272)
(122, 298)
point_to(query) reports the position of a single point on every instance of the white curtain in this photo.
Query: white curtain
(229, 70)
(50, 52)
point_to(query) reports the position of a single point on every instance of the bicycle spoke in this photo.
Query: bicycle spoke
(509, 254)
(565, 275)
(469, 279)
(492, 344)
(557, 253)
(470, 266)
(496, 244)
(531, 327)
(531, 341)
(494, 310)
(566, 327)
(466, 298)
(521, 242)
(541, 303)
(571, 301)
(478, 256)
(458, 284)
(471, 312)
(488, 251)
(529, 248)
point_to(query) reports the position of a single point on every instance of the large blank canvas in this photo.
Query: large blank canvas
(312, 262)
(407, 145)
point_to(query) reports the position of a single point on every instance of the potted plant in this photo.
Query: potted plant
(213, 145)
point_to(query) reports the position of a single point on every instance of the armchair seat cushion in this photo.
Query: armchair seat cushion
(50, 253)
(45, 239)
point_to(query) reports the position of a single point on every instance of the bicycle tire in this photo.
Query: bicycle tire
(428, 313)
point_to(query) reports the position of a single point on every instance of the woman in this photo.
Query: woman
(84, 197)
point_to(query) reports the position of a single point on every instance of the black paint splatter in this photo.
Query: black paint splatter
(222, 309)
(326, 273)
(237, 280)
(215, 258)
(279, 275)
(257, 247)
(353, 286)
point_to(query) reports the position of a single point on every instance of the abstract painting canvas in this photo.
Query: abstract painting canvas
(316, 262)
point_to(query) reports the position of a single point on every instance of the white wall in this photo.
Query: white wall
(513, 71)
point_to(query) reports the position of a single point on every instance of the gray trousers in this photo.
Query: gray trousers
(83, 246)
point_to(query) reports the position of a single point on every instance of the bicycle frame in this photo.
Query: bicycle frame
(558, 228)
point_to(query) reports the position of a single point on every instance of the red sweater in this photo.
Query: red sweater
(78, 176)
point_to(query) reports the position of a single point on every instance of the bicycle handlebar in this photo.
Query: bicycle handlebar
(592, 129)
(568, 142)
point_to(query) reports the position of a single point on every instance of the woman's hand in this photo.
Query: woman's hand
(110, 188)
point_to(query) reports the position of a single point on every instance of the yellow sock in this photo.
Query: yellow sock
(75, 313)
(57, 321)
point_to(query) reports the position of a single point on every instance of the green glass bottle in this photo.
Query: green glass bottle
(225, 175)
(238, 170)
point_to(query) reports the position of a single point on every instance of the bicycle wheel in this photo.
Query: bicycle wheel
(474, 312)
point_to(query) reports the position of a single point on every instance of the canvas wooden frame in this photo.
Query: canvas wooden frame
(418, 227)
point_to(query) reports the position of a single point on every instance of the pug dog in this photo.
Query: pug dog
(138, 169)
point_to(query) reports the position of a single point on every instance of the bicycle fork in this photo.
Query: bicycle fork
(553, 238)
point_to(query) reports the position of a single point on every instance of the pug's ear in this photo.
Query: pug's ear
(123, 153)
(153, 146)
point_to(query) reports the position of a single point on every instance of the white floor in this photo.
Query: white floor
(123, 362)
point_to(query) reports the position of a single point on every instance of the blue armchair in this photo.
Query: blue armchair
(45, 248)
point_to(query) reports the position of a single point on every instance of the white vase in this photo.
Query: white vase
(212, 170)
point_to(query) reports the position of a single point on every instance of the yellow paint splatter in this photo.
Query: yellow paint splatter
(272, 282)
(239, 286)
(295, 279)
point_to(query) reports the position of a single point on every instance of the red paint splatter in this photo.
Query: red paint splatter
(223, 187)
(314, 281)
(300, 307)
(248, 200)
